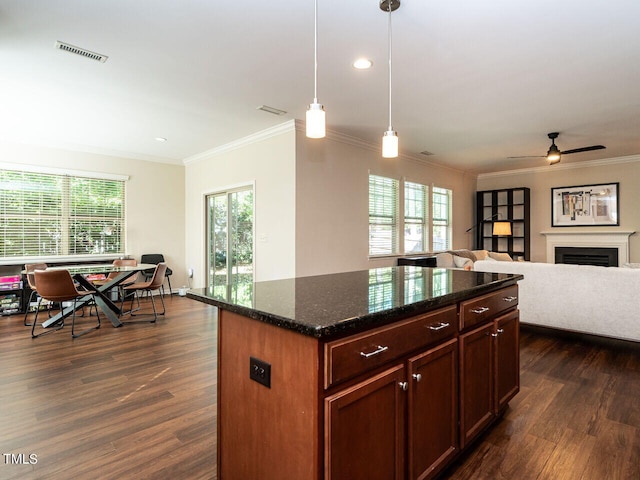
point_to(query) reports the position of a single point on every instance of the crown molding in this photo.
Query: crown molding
(270, 132)
(372, 147)
(561, 166)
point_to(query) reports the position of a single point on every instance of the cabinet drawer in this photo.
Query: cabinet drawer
(480, 309)
(351, 356)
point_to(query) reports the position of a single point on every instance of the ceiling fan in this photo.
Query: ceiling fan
(554, 154)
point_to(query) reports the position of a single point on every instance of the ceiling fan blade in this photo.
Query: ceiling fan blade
(584, 149)
(529, 156)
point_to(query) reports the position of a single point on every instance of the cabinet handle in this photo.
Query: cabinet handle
(377, 351)
(498, 332)
(480, 310)
(438, 326)
(509, 299)
(403, 385)
(417, 377)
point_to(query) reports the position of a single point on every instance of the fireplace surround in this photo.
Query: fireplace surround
(585, 239)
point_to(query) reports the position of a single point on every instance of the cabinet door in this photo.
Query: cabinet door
(476, 382)
(433, 410)
(507, 359)
(364, 429)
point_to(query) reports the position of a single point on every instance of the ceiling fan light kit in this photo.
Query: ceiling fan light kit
(554, 154)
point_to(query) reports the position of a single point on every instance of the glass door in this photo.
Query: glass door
(229, 238)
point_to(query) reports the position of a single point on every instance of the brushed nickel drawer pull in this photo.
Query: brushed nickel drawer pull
(417, 377)
(403, 385)
(377, 351)
(439, 326)
(498, 332)
(509, 299)
(480, 310)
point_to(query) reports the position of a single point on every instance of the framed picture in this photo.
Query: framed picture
(585, 205)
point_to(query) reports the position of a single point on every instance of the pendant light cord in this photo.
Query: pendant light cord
(390, 127)
(315, 53)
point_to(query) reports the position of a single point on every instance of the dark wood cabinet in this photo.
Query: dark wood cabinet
(489, 373)
(506, 205)
(507, 359)
(395, 402)
(364, 429)
(476, 382)
(433, 410)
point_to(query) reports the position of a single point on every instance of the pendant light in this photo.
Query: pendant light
(315, 111)
(390, 137)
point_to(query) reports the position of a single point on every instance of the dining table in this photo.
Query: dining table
(79, 272)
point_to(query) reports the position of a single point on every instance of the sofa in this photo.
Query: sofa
(579, 298)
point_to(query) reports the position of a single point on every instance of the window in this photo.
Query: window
(390, 233)
(416, 206)
(441, 219)
(46, 215)
(383, 215)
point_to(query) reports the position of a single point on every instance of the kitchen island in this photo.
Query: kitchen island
(386, 373)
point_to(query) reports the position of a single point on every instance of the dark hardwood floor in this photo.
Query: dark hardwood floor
(140, 402)
(127, 403)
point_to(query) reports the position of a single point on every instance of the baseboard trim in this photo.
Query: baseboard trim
(572, 335)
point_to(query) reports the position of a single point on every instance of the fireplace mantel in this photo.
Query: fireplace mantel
(581, 238)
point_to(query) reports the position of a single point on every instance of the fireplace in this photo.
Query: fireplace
(600, 256)
(618, 240)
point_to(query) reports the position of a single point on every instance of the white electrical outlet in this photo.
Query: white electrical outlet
(190, 271)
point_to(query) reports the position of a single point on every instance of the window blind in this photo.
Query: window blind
(441, 218)
(383, 215)
(43, 214)
(415, 217)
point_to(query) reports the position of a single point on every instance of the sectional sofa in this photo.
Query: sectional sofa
(580, 298)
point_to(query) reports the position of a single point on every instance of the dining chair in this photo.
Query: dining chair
(157, 279)
(155, 258)
(58, 286)
(120, 262)
(29, 269)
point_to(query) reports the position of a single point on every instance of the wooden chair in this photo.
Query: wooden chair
(155, 283)
(29, 269)
(58, 286)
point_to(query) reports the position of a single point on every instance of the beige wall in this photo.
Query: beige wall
(541, 180)
(268, 163)
(154, 197)
(332, 182)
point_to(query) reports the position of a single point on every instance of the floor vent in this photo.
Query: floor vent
(81, 51)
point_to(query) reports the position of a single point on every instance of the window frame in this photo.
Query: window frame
(66, 216)
(429, 224)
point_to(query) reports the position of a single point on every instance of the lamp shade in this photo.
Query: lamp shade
(390, 144)
(315, 121)
(502, 228)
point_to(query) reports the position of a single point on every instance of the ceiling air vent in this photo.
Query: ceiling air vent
(268, 109)
(81, 51)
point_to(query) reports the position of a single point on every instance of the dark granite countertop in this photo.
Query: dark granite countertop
(329, 306)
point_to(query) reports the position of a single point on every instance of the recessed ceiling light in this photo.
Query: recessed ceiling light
(362, 63)
(161, 139)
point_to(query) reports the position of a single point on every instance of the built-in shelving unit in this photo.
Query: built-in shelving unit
(509, 204)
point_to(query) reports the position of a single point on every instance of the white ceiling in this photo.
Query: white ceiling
(473, 82)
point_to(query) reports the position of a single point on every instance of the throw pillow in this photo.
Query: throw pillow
(501, 257)
(463, 253)
(462, 262)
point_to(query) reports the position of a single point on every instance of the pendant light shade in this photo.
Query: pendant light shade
(316, 121)
(390, 137)
(315, 113)
(390, 144)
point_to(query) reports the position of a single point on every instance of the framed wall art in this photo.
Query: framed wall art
(585, 205)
